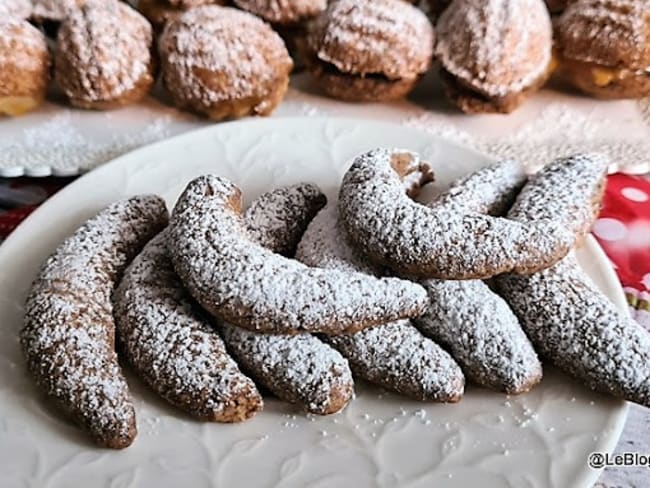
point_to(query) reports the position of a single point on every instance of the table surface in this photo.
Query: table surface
(554, 122)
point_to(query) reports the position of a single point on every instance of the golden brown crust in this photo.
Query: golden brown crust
(473, 102)
(606, 83)
(224, 63)
(24, 67)
(610, 33)
(355, 88)
(104, 56)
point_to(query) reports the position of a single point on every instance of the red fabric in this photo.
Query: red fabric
(623, 229)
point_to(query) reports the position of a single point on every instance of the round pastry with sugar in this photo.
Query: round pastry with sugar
(159, 12)
(68, 337)
(224, 63)
(18, 9)
(604, 47)
(283, 12)
(494, 53)
(442, 242)
(24, 67)
(103, 58)
(54, 10)
(240, 282)
(369, 50)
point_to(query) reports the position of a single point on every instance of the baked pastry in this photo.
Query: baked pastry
(436, 242)
(299, 369)
(159, 12)
(283, 12)
(473, 323)
(494, 53)
(278, 218)
(17, 9)
(369, 50)
(24, 67)
(604, 47)
(68, 337)
(171, 345)
(240, 282)
(393, 355)
(54, 10)
(103, 57)
(570, 322)
(224, 63)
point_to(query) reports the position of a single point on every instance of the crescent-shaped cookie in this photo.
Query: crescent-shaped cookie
(567, 318)
(394, 355)
(68, 337)
(171, 345)
(239, 281)
(410, 238)
(465, 316)
(298, 368)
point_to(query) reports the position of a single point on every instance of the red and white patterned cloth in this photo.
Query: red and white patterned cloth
(623, 228)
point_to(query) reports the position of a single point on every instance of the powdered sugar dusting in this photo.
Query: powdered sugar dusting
(581, 331)
(55, 9)
(68, 337)
(239, 50)
(20, 9)
(103, 51)
(613, 33)
(243, 283)
(495, 46)
(283, 11)
(22, 47)
(394, 355)
(277, 219)
(172, 347)
(395, 231)
(568, 190)
(388, 37)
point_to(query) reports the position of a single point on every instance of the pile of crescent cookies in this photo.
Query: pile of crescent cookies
(298, 296)
(225, 62)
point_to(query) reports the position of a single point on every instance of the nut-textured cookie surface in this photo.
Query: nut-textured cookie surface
(436, 242)
(394, 355)
(495, 46)
(68, 338)
(240, 282)
(224, 63)
(283, 12)
(54, 10)
(278, 218)
(173, 348)
(24, 66)
(103, 58)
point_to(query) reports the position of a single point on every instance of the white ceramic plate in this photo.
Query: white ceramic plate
(540, 439)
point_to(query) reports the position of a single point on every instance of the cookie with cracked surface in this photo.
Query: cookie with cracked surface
(224, 63)
(68, 336)
(278, 218)
(369, 50)
(103, 59)
(473, 323)
(603, 47)
(173, 348)
(394, 355)
(239, 281)
(24, 67)
(392, 230)
(54, 10)
(494, 53)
